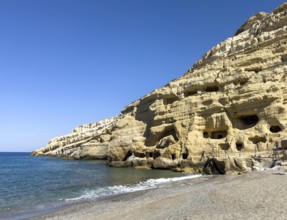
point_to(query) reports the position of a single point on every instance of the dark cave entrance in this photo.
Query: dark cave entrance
(173, 156)
(224, 146)
(212, 89)
(128, 154)
(239, 146)
(184, 156)
(218, 134)
(250, 120)
(275, 129)
(169, 131)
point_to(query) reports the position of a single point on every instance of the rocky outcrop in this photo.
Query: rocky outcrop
(88, 141)
(230, 106)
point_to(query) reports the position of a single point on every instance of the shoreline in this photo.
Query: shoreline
(254, 195)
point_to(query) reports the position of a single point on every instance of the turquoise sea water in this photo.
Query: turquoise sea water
(31, 185)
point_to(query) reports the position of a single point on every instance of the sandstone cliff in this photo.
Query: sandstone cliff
(229, 107)
(86, 141)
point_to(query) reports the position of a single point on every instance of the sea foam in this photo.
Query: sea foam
(120, 189)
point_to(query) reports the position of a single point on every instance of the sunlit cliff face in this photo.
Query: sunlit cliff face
(231, 103)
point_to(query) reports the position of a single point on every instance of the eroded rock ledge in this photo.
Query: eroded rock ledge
(88, 141)
(228, 109)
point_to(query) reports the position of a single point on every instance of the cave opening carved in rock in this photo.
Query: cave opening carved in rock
(249, 121)
(190, 92)
(275, 129)
(212, 89)
(128, 154)
(140, 155)
(173, 156)
(170, 99)
(156, 154)
(218, 134)
(207, 102)
(257, 139)
(170, 130)
(184, 156)
(243, 82)
(224, 146)
(215, 134)
(149, 155)
(239, 146)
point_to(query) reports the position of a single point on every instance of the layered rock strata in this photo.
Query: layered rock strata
(88, 141)
(229, 107)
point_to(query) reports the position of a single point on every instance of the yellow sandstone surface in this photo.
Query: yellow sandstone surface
(230, 106)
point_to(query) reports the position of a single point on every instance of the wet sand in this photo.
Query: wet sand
(255, 195)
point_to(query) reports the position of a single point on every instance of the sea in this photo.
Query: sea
(31, 186)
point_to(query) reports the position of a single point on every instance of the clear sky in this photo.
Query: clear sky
(64, 63)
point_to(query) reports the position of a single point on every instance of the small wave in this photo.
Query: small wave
(115, 190)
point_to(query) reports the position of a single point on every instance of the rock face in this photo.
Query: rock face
(88, 141)
(230, 106)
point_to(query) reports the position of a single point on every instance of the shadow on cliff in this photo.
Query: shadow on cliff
(144, 114)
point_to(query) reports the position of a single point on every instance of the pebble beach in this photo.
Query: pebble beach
(254, 195)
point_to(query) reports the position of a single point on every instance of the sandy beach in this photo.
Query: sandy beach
(255, 195)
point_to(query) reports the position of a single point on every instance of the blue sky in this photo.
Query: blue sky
(64, 63)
